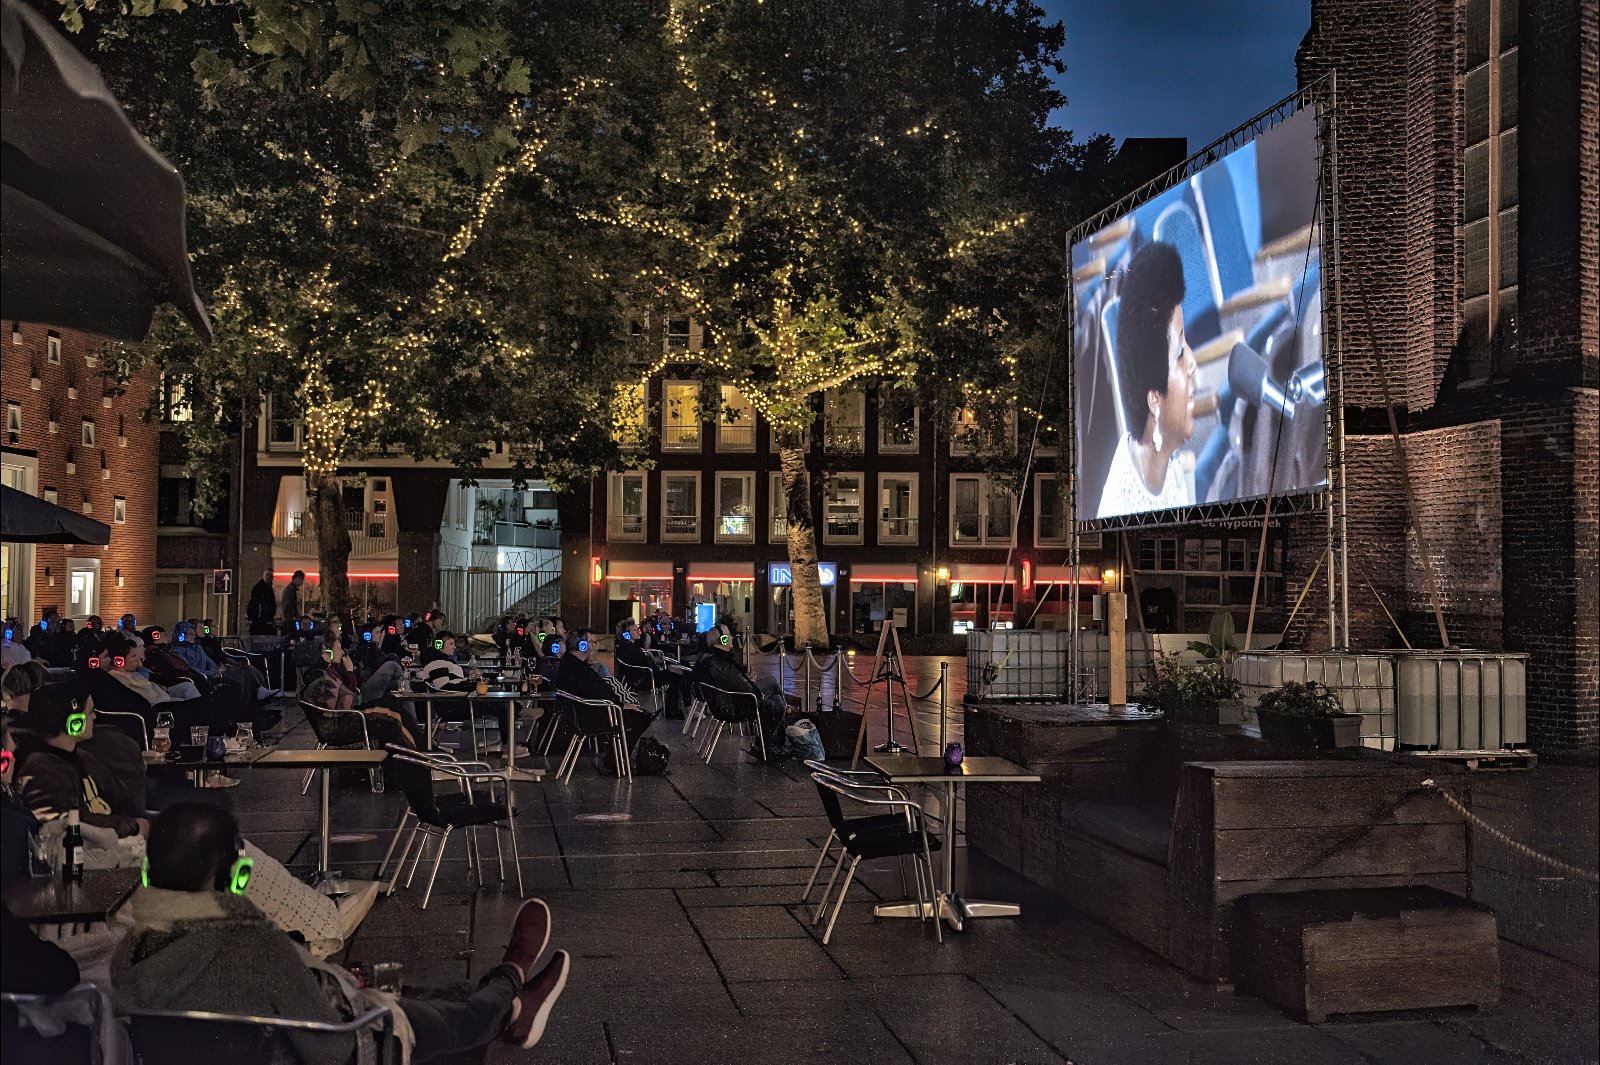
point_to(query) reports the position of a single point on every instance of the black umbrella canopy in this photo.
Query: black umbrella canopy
(26, 519)
(93, 226)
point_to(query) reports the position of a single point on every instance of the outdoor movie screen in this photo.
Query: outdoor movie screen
(1197, 343)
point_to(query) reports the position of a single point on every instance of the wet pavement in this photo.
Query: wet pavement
(678, 897)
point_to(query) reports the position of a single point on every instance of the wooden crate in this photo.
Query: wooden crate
(1316, 953)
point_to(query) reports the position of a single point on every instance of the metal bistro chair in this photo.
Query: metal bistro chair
(695, 713)
(443, 769)
(731, 708)
(32, 1046)
(254, 659)
(333, 728)
(842, 826)
(643, 680)
(439, 816)
(591, 719)
(133, 724)
(199, 1035)
(910, 840)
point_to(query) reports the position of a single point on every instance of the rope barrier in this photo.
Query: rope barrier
(1521, 848)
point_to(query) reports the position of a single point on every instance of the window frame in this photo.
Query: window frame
(614, 482)
(699, 506)
(828, 536)
(52, 348)
(831, 441)
(724, 427)
(13, 416)
(884, 445)
(987, 487)
(86, 433)
(697, 421)
(119, 510)
(1039, 540)
(915, 535)
(749, 479)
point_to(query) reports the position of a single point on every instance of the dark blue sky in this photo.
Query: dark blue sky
(1175, 68)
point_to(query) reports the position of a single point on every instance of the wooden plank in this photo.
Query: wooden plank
(1375, 850)
(1196, 940)
(1117, 630)
(1292, 802)
(1233, 890)
(1126, 892)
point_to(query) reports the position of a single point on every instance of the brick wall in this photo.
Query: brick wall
(1455, 475)
(125, 446)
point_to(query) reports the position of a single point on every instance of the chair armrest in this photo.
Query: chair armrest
(355, 1024)
(366, 737)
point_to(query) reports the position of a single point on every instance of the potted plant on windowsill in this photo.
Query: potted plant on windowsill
(1303, 718)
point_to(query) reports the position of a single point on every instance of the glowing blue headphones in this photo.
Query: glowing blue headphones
(627, 632)
(367, 635)
(407, 622)
(554, 647)
(583, 644)
(44, 624)
(10, 632)
(181, 636)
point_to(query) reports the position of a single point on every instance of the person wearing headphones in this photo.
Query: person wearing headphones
(575, 674)
(198, 942)
(632, 659)
(439, 667)
(721, 668)
(54, 778)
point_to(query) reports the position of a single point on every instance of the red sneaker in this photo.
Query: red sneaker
(530, 933)
(537, 998)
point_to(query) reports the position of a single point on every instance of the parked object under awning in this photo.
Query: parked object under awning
(26, 519)
(93, 216)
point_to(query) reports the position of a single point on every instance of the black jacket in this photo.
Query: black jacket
(263, 605)
(721, 670)
(53, 782)
(576, 677)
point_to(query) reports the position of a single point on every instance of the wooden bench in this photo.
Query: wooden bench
(1315, 953)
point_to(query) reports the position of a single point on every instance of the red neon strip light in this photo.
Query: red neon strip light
(640, 577)
(697, 578)
(909, 579)
(312, 575)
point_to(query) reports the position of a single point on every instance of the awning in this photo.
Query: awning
(93, 217)
(722, 571)
(982, 573)
(638, 571)
(867, 572)
(26, 519)
(1063, 575)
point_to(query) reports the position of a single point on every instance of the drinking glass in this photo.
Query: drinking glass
(161, 740)
(39, 857)
(386, 976)
(246, 735)
(164, 719)
(198, 735)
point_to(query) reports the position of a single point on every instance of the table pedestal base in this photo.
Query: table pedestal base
(953, 910)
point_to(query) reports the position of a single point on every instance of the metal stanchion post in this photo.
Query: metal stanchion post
(806, 705)
(944, 688)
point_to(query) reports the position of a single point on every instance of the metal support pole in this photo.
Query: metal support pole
(944, 701)
(806, 705)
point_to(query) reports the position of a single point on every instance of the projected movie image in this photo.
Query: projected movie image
(1197, 341)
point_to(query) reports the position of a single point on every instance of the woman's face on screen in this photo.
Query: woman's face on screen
(1176, 415)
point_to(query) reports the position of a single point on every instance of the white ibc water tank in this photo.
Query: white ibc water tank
(1461, 701)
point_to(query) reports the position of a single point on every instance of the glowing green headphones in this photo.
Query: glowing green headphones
(235, 879)
(438, 645)
(77, 720)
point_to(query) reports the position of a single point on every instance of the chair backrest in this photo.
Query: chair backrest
(731, 706)
(320, 720)
(196, 1035)
(133, 724)
(416, 781)
(640, 677)
(586, 717)
(79, 1038)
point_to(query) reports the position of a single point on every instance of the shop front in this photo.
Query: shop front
(728, 586)
(982, 596)
(880, 593)
(636, 589)
(780, 592)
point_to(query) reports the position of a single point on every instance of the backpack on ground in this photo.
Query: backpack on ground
(651, 758)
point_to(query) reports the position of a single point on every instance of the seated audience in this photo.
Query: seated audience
(198, 943)
(383, 725)
(439, 668)
(630, 653)
(55, 778)
(576, 676)
(719, 667)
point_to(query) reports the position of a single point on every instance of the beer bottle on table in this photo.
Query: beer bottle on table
(72, 846)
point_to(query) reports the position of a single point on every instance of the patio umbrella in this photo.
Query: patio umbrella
(93, 224)
(26, 519)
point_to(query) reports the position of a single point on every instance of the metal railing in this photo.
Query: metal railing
(479, 597)
(736, 529)
(736, 436)
(371, 533)
(837, 436)
(680, 527)
(681, 437)
(897, 530)
(625, 527)
(522, 534)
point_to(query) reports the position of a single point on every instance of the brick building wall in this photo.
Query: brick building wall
(1503, 467)
(122, 461)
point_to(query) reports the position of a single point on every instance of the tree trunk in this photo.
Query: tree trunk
(810, 616)
(333, 544)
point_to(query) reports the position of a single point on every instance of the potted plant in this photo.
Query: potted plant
(1307, 717)
(1202, 693)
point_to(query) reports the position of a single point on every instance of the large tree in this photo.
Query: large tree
(378, 221)
(847, 193)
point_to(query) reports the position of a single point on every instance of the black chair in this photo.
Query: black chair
(641, 679)
(731, 708)
(592, 719)
(133, 724)
(907, 840)
(841, 826)
(198, 1035)
(344, 730)
(437, 816)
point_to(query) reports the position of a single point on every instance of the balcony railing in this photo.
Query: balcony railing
(897, 530)
(837, 436)
(522, 534)
(681, 437)
(680, 527)
(736, 529)
(371, 533)
(736, 436)
(625, 527)
(843, 528)
(1052, 529)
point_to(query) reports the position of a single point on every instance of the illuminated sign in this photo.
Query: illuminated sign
(782, 573)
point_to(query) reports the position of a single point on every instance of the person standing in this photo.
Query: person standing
(262, 609)
(289, 607)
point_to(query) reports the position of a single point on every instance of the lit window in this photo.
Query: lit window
(736, 421)
(679, 335)
(628, 404)
(176, 405)
(844, 418)
(119, 511)
(680, 509)
(897, 508)
(736, 522)
(841, 505)
(680, 416)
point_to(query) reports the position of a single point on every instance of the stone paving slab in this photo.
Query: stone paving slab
(679, 900)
